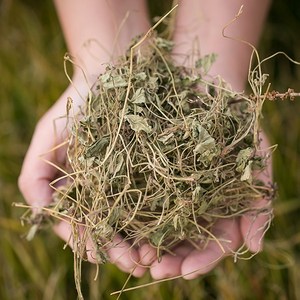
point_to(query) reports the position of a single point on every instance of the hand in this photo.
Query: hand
(199, 26)
(37, 174)
(95, 32)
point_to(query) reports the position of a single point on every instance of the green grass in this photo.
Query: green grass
(31, 78)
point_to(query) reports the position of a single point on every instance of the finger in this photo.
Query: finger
(254, 225)
(200, 262)
(125, 257)
(170, 264)
(64, 231)
(36, 174)
(120, 252)
(147, 254)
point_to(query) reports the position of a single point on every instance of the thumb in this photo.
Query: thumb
(36, 174)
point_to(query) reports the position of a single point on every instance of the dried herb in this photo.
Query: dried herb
(159, 150)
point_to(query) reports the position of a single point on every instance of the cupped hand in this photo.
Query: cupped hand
(47, 150)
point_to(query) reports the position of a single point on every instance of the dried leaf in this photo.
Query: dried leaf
(202, 208)
(165, 44)
(138, 123)
(157, 237)
(247, 174)
(140, 76)
(118, 165)
(32, 232)
(110, 81)
(152, 83)
(166, 138)
(197, 194)
(139, 96)
(97, 147)
(242, 158)
(206, 146)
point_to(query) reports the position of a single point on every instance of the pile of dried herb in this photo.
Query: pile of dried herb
(160, 153)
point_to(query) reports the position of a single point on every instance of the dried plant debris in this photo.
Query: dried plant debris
(160, 153)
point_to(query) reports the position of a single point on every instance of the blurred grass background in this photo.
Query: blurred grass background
(32, 77)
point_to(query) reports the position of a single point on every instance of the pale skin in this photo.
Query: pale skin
(96, 32)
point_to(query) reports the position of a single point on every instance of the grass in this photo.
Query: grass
(31, 59)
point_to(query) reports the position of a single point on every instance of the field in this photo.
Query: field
(32, 77)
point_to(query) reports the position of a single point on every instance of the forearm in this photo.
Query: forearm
(201, 22)
(96, 31)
